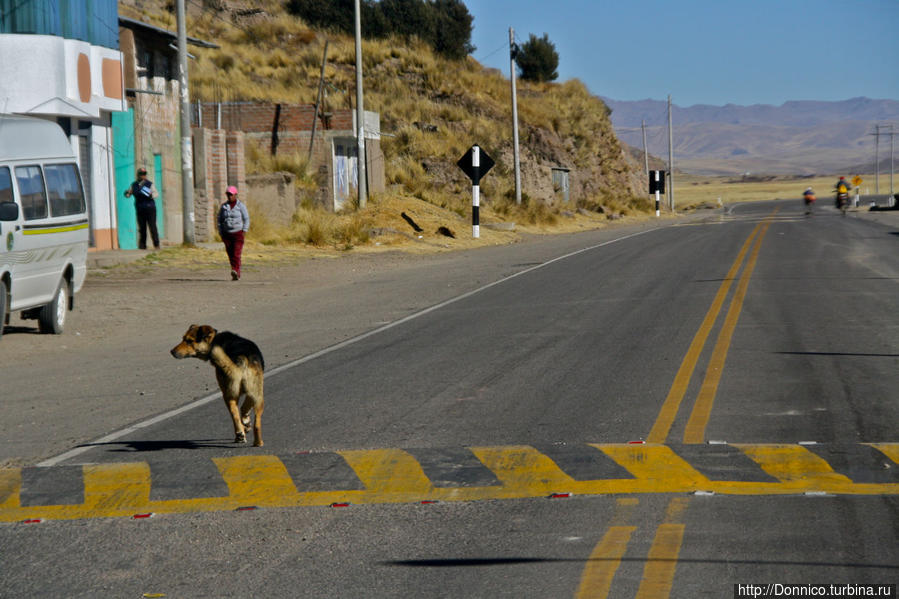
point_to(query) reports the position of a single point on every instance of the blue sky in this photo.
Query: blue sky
(706, 51)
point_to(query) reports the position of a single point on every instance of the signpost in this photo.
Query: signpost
(657, 186)
(856, 180)
(475, 163)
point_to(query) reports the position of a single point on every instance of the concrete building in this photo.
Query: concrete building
(61, 62)
(148, 133)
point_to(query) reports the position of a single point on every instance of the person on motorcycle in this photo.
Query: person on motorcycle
(842, 188)
(809, 196)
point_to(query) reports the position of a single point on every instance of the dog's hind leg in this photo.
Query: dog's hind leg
(231, 395)
(255, 401)
(257, 423)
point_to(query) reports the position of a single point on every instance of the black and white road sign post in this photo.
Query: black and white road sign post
(475, 163)
(657, 186)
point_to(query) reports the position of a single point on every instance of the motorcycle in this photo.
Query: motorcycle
(843, 202)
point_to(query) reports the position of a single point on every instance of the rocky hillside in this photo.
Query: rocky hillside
(432, 109)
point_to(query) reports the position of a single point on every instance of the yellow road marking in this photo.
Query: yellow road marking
(604, 561)
(394, 476)
(654, 464)
(256, 480)
(390, 471)
(794, 464)
(702, 409)
(669, 410)
(519, 467)
(10, 486)
(108, 487)
(661, 563)
(891, 450)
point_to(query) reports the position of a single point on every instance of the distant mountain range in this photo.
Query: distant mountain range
(797, 137)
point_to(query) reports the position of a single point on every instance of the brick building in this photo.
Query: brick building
(287, 128)
(149, 133)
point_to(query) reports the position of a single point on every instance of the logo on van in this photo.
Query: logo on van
(9, 241)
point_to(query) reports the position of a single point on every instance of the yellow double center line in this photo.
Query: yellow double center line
(669, 410)
(658, 572)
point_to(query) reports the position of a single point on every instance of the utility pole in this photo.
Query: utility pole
(318, 100)
(360, 113)
(513, 51)
(891, 165)
(187, 152)
(670, 159)
(877, 159)
(645, 153)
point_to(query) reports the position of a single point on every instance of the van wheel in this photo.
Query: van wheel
(2, 306)
(52, 317)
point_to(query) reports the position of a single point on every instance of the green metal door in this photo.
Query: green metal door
(160, 204)
(123, 149)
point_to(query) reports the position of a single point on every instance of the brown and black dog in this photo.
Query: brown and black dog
(239, 369)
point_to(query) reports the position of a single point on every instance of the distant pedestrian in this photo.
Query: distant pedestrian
(233, 223)
(145, 205)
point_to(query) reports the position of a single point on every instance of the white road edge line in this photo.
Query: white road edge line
(56, 460)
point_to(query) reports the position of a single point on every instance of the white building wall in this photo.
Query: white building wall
(56, 78)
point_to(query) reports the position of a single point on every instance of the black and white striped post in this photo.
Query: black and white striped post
(657, 186)
(476, 192)
(475, 163)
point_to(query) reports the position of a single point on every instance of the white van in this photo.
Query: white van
(44, 225)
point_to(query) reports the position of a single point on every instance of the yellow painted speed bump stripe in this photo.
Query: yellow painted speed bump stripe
(523, 467)
(110, 487)
(793, 464)
(256, 480)
(395, 476)
(10, 484)
(891, 450)
(389, 471)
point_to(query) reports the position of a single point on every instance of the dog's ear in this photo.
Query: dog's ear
(205, 333)
(191, 332)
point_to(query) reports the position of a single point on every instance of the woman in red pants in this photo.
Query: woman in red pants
(233, 223)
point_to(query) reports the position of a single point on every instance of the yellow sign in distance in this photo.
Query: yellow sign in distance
(856, 180)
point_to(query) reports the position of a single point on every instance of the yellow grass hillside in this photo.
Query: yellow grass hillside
(432, 110)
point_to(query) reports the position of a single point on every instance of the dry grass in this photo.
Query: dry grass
(693, 191)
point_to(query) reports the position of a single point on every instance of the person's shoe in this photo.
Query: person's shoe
(234, 275)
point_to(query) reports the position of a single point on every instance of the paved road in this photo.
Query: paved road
(657, 412)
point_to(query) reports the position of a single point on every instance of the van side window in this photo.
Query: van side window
(64, 189)
(31, 192)
(5, 185)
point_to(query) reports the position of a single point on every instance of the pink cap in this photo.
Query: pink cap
(231, 190)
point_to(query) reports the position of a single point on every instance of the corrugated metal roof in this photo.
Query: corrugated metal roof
(135, 24)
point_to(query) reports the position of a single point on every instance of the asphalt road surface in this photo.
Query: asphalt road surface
(662, 411)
